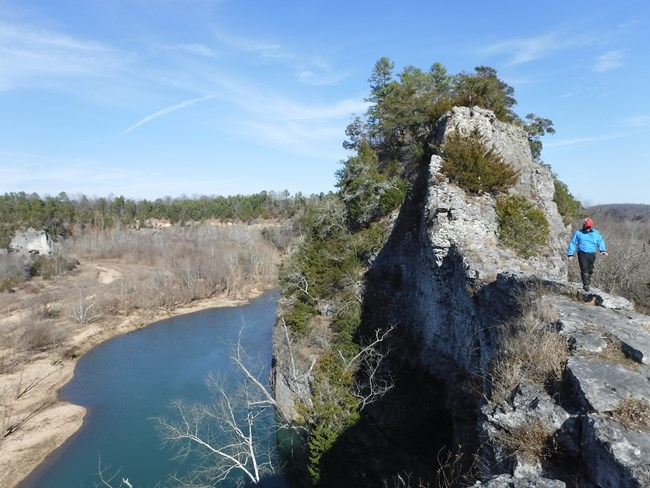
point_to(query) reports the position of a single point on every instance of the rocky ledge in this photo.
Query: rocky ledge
(599, 422)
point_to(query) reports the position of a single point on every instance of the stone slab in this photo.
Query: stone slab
(602, 385)
(614, 456)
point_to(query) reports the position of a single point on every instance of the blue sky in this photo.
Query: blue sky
(154, 98)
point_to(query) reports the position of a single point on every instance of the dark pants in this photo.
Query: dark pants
(586, 261)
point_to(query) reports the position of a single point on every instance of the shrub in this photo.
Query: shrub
(473, 167)
(334, 408)
(567, 205)
(41, 335)
(368, 192)
(522, 226)
(48, 267)
(369, 241)
(297, 319)
(7, 232)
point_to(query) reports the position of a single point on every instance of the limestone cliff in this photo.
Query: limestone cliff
(31, 241)
(452, 290)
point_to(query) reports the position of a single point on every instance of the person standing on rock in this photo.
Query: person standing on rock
(587, 241)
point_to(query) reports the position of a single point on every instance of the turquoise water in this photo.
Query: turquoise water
(127, 381)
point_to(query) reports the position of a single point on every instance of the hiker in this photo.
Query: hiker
(587, 240)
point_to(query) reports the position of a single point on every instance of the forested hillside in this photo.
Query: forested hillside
(621, 211)
(626, 271)
(62, 215)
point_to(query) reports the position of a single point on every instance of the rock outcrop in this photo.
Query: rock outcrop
(450, 288)
(31, 241)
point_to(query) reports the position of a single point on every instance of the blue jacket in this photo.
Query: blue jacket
(586, 241)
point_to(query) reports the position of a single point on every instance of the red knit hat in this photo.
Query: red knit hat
(588, 222)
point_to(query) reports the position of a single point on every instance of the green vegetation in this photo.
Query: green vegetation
(482, 88)
(536, 127)
(334, 408)
(567, 205)
(60, 215)
(367, 192)
(475, 168)
(7, 232)
(522, 226)
(322, 281)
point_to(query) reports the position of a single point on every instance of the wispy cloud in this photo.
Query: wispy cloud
(525, 50)
(575, 142)
(28, 53)
(638, 121)
(298, 138)
(264, 48)
(282, 109)
(310, 70)
(319, 73)
(609, 61)
(33, 172)
(586, 141)
(168, 110)
(196, 49)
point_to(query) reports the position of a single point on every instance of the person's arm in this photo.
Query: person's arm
(601, 245)
(602, 248)
(572, 246)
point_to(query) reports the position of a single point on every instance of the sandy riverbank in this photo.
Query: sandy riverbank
(42, 421)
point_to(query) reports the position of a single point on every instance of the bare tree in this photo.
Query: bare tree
(232, 435)
(84, 310)
(109, 479)
(626, 271)
(374, 382)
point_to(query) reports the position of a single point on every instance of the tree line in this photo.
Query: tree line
(61, 215)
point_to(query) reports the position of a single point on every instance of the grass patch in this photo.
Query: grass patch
(531, 350)
(634, 414)
(531, 441)
(614, 353)
(536, 357)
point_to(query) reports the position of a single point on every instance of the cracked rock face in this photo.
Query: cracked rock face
(603, 385)
(463, 229)
(448, 285)
(508, 481)
(614, 456)
(469, 223)
(32, 241)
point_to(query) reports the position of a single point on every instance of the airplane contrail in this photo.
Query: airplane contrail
(165, 111)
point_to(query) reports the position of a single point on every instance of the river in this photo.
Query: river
(128, 381)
